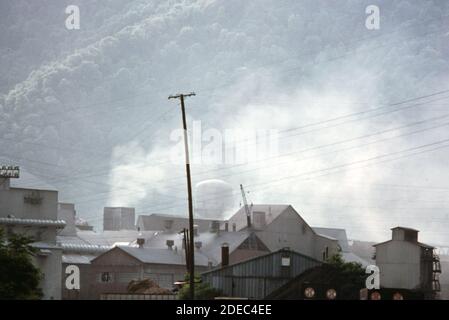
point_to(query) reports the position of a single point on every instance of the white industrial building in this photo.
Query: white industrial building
(119, 218)
(281, 226)
(30, 208)
(406, 263)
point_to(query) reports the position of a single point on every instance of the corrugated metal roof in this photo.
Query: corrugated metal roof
(210, 242)
(77, 258)
(210, 251)
(45, 245)
(33, 222)
(163, 256)
(109, 238)
(70, 240)
(70, 247)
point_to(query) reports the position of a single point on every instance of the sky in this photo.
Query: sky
(347, 124)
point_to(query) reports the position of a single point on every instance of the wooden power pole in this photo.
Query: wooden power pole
(191, 244)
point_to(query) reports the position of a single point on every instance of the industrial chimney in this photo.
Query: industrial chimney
(224, 255)
(140, 242)
(170, 244)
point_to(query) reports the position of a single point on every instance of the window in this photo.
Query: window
(105, 277)
(285, 261)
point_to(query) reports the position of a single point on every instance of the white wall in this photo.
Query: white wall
(66, 212)
(290, 230)
(51, 267)
(399, 264)
(12, 203)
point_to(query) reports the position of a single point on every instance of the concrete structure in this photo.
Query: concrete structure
(66, 212)
(280, 226)
(172, 223)
(405, 263)
(33, 212)
(119, 218)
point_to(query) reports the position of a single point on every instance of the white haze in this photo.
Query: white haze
(87, 110)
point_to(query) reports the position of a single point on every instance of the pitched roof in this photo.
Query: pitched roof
(417, 243)
(404, 228)
(162, 256)
(334, 233)
(110, 238)
(210, 242)
(272, 212)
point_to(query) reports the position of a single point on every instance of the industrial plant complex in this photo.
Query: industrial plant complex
(260, 251)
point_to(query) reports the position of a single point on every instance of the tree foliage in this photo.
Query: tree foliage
(348, 276)
(203, 291)
(19, 278)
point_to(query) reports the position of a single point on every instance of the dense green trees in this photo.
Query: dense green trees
(19, 278)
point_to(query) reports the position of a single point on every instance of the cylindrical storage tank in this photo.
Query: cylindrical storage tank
(214, 199)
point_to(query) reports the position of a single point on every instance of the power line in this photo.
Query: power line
(342, 166)
(339, 118)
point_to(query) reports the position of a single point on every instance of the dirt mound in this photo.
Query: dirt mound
(146, 286)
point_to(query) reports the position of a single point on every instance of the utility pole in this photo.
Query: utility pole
(191, 244)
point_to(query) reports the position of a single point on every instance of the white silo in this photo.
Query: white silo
(214, 199)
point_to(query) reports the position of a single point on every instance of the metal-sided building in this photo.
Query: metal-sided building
(29, 207)
(406, 263)
(258, 277)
